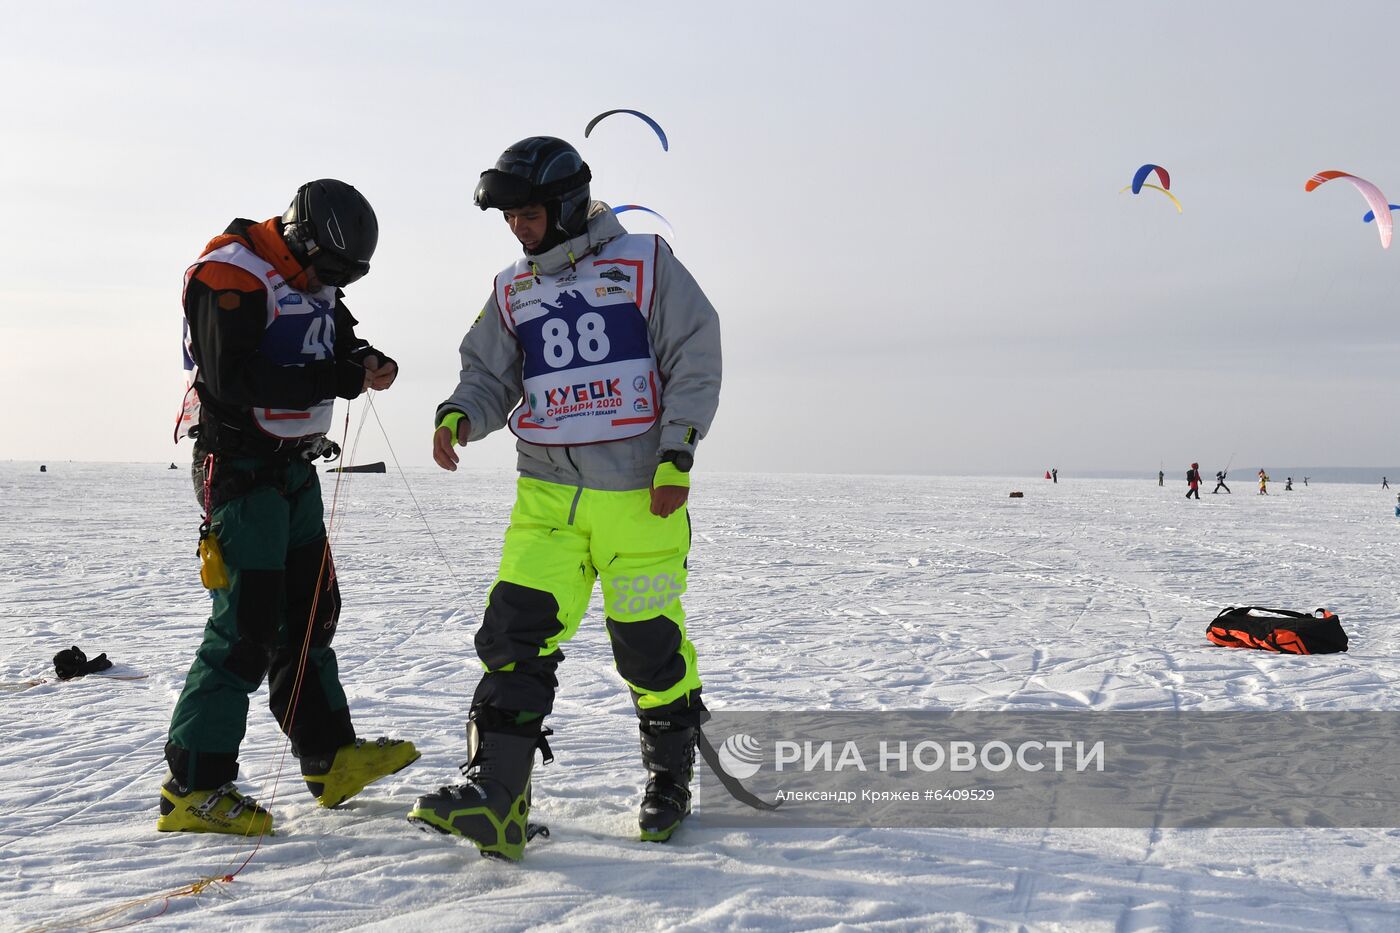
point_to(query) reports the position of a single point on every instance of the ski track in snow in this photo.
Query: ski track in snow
(808, 592)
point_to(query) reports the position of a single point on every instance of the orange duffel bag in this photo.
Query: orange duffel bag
(1278, 630)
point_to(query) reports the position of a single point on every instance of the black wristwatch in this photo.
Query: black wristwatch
(683, 460)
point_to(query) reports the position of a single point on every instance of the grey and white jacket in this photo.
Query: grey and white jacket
(684, 332)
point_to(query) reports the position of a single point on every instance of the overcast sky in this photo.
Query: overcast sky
(908, 215)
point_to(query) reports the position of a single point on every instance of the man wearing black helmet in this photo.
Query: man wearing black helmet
(269, 345)
(609, 354)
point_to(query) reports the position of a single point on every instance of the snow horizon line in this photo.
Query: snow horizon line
(1321, 474)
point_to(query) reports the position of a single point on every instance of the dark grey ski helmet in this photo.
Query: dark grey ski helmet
(540, 170)
(331, 227)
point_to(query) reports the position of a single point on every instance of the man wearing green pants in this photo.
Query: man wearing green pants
(269, 345)
(609, 354)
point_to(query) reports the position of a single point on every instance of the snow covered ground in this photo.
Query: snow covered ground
(808, 592)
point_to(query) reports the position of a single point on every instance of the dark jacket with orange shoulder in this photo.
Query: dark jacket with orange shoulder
(226, 308)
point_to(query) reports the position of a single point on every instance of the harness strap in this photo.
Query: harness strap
(731, 783)
(208, 491)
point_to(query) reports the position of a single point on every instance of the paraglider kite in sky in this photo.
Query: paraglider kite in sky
(1141, 176)
(1140, 182)
(1380, 207)
(638, 207)
(660, 133)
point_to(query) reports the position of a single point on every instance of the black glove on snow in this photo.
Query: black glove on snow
(72, 663)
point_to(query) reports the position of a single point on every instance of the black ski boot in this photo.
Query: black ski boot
(492, 808)
(668, 751)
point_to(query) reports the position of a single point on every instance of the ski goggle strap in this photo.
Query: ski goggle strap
(505, 191)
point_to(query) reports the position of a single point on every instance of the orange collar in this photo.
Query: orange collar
(268, 243)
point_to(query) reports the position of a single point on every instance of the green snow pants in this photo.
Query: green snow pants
(274, 544)
(560, 541)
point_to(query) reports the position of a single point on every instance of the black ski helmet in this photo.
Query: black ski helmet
(540, 170)
(330, 227)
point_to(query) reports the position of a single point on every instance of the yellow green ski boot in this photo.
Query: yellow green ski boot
(222, 810)
(492, 808)
(335, 778)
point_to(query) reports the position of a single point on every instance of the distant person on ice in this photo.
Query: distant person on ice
(1288, 484)
(1263, 483)
(269, 347)
(1385, 483)
(1220, 482)
(1161, 478)
(1193, 481)
(1054, 475)
(609, 354)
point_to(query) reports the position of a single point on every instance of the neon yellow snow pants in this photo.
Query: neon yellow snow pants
(560, 541)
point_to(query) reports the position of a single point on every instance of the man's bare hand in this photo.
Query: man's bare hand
(444, 452)
(666, 499)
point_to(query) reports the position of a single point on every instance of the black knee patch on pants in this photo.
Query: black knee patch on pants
(315, 728)
(311, 580)
(648, 653)
(518, 622)
(259, 609)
